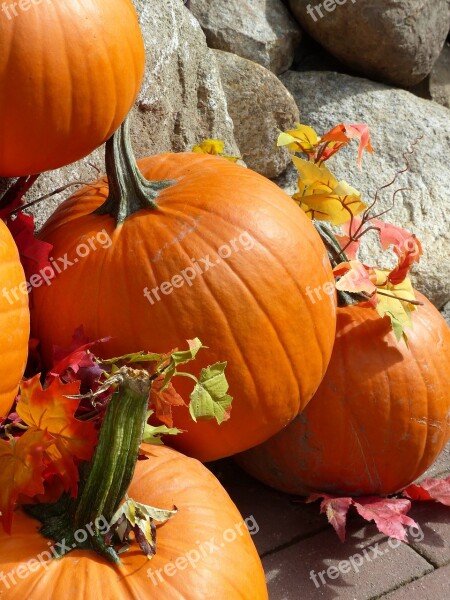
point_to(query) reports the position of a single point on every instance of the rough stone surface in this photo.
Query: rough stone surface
(396, 118)
(260, 30)
(446, 312)
(440, 78)
(180, 104)
(260, 107)
(396, 41)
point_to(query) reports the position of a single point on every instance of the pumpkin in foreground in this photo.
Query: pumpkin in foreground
(14, 320)
(69, 73)
(380, 417)
(205, 248)
(205, 551)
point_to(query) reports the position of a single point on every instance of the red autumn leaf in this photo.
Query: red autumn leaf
(354, 277)
(389, 515)
(336, 139)
(34, 254)
(77, 361)
(360, 131)
(407, 256)
(50, 411)
(164, 400)
(21, 469)
(336, 510)
(430, 489)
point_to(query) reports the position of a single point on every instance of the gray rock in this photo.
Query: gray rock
(396, 41)
(260, 106)
(446, 312)
(396, 119)
(260, 30)
(440, 78)
(180, 104)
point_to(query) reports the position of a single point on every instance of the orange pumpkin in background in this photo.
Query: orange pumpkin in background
(205, 551)
(69, 73)
(258, 255)
(14, 320)
(380, 417)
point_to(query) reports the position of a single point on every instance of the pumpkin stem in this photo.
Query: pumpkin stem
(337, 256)
(106, 479)
(129, 191)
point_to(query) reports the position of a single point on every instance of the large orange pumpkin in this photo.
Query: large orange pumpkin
(205, 551)
(14, 320)
(259, 255)
(380, 417)
(69, 73)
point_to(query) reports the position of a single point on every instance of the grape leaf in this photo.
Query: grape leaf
(430, 489)
(209, 398)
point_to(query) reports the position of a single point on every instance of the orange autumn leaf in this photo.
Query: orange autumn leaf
(360, 131)
(21, 470)
(51, 411)
(164, 399)
(354, 277)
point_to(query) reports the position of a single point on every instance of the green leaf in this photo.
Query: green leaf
(209, 398)
(152, 435)
(179, 358)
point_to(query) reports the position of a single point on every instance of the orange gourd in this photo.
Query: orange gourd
(258, 254)
(380, 417)
(14, 320)
(186, 565)
(69, 73)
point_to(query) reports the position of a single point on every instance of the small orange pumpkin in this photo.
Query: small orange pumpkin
(14, 320)
(380, 417)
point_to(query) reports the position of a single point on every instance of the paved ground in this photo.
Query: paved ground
(294, 540)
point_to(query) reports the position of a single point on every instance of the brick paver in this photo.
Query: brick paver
(435, 586)
(322, 567)
(294, 539)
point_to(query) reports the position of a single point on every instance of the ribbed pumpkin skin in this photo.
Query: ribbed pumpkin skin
(69, 74)
(380, 417)
(250, 309)
(206, 514)
(14, 321)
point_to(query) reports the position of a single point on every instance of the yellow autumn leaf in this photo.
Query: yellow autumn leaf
(321, 196)
(215, 148)
(300, 139)
(398, 310)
